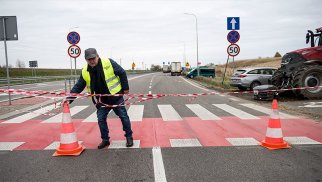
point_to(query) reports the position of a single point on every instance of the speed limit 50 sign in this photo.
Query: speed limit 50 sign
(74, 51)
(233, 50)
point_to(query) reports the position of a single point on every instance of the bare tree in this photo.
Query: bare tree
(20, 64)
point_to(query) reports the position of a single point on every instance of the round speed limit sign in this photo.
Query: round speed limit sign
(74, 51)
(233, 50)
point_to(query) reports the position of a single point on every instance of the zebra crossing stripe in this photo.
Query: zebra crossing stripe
(168, 113)
(58, 117)
(135, 112)
(267, 111)
(236, 112)
(91, 118)
(28, 116)
(242, 141)
(193, 142)
(301, 140)
(158, 167)
(121, 144)
(234, 99)
(10, 145)
(202, 113)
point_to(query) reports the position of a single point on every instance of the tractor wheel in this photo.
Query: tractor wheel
(308, 76)
(277, 78)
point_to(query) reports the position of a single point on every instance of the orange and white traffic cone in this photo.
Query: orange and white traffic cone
(274, 136)
(68, 140)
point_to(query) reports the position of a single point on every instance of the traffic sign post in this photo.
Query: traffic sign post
(8, 31)
(233, 23)
(133, 66)
(73, 51)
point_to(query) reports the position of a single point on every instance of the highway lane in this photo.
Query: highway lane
(210, 138)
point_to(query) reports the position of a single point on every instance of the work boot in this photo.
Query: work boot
(103, 144)
(129, 141)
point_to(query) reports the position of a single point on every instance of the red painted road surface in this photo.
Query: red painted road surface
(156, 132)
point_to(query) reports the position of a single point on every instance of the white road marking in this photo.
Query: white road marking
(135, 112)
(91, 118)
(267, 111)
(236, 112)
(140, 76)
(300, 140)
(242, 141)
(10, 145)
(158, 167)
(6, 94)
(121, 144)
(202, 113)
(193, 142)
(58, 118)
(312, 104)
(168, 113)
(234, 99)
(28, 116)
(194, 84)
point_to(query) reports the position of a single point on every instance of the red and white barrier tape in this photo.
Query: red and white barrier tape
(140, 97)
(39, 93)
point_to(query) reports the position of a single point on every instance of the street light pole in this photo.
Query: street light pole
(198, 71)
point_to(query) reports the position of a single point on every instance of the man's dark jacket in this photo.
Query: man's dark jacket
(98, 83)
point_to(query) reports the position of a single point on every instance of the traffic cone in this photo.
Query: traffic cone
(274, 136)
(68, 140)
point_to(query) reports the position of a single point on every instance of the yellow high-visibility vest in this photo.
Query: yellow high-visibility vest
(112, 81)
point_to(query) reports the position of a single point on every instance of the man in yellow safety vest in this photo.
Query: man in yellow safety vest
(105, 76)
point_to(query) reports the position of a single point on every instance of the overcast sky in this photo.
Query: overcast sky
(150, 32)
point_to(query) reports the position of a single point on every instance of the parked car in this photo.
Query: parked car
(252, 77)
(207, 72)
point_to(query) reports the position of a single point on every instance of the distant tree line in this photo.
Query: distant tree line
(156, 67)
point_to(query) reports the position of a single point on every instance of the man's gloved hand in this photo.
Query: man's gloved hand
(70, 99)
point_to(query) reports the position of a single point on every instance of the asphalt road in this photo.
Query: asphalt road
(209, 138)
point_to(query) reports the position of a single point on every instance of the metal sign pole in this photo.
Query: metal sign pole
(5, 50)
(223, 78)
(75, 71)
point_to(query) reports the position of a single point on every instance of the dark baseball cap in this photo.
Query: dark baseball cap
(90, 53)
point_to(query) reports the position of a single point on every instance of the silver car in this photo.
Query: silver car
(251, 77)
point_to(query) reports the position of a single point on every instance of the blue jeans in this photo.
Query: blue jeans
(121, 112)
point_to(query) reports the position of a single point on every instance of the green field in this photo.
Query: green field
(27, 72)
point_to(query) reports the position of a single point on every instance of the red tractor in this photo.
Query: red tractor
(302, 68)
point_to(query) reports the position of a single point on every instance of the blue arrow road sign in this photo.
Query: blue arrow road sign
(233, 23)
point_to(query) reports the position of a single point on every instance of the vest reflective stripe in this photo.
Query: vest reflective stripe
(114, 86)
(112, 81)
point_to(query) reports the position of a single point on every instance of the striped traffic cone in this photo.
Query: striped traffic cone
(274, 136)
(68, 140)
